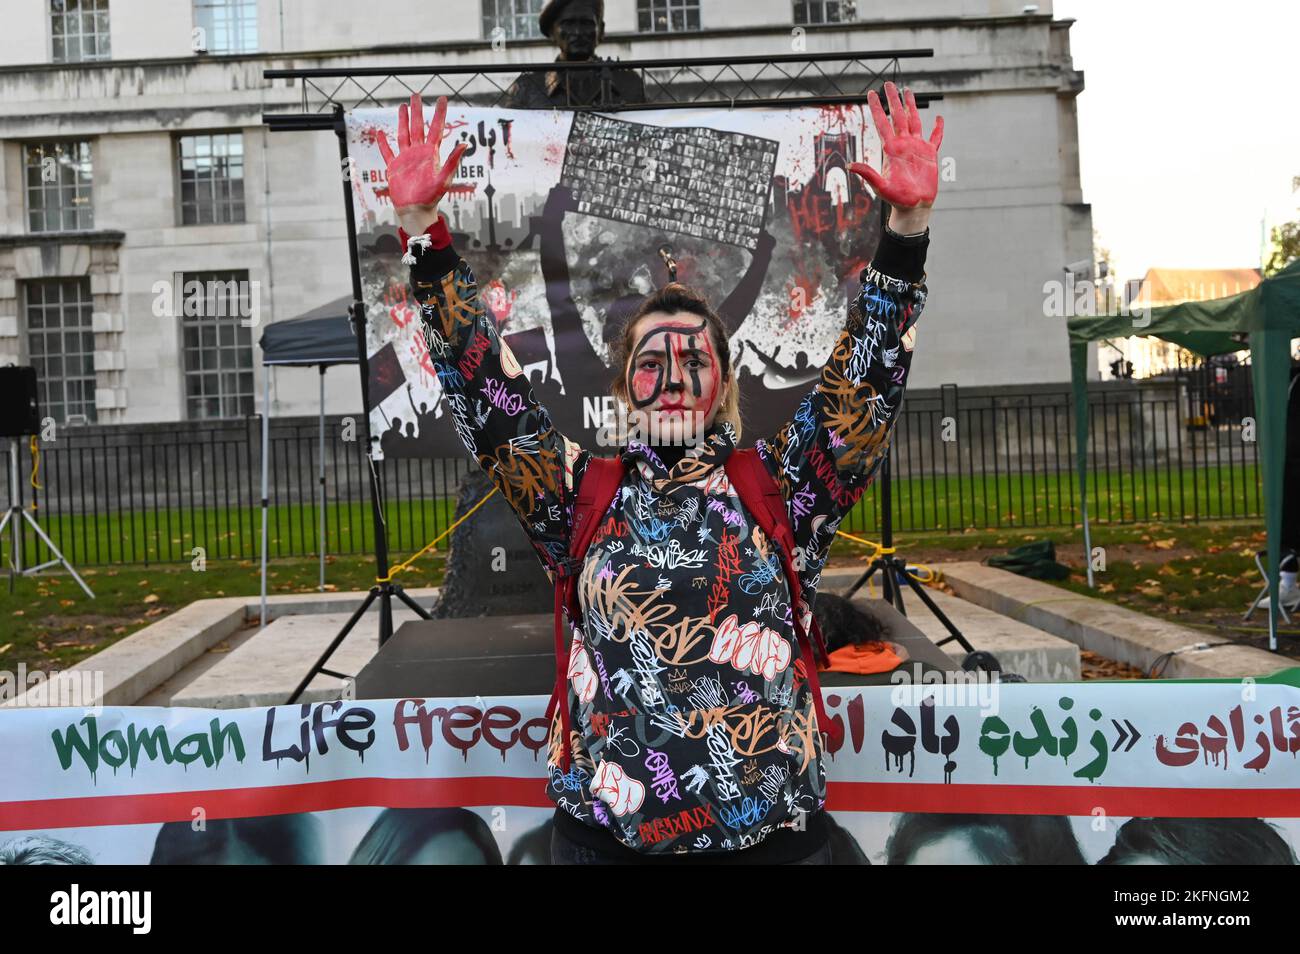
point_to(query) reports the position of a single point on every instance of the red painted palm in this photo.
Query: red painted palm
(910, 173)
(415, 176)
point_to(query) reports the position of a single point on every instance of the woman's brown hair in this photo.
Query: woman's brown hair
(670, 299)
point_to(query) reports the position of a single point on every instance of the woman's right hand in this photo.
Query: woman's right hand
(416, 180)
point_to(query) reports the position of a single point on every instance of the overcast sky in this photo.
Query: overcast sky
(1189, 126)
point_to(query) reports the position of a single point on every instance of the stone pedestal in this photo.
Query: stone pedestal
(480, 580)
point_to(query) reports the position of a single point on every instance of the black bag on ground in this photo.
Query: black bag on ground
(1036, 560)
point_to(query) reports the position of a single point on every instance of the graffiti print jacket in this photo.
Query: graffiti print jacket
(694, 728)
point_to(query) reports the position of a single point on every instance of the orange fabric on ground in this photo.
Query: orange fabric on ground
(863, 658)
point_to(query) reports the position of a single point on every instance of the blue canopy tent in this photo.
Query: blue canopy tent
(320, 338)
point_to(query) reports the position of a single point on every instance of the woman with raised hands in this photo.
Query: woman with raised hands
(687, 728)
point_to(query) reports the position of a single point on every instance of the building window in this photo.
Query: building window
(823, 11)
(61, 345)
(227, 26)
(79, 30)
(217, 344)
(516, 19)
(668, 16)
(58, 186)
(212, 178)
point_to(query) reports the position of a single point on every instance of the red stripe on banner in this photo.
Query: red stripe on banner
(1064, 800)
(99, 810)
(273, 800)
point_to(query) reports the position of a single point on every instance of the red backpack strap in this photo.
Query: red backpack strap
(596, 491)
(759, 492)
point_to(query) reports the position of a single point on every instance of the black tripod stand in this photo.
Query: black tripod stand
(14, 519)
(384, 589)
(892, 568)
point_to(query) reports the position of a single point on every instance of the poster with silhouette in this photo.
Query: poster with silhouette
(961, 773)
(562, 216)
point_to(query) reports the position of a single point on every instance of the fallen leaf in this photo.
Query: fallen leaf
(151, 598)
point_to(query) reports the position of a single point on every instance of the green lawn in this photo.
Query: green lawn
(1040, 501)
(921, 504)
(1201, 575)
(48, 622)
(170, 536)
(1198, 575)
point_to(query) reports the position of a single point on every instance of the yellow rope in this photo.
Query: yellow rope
(923, 574)
(35, 447)
(405, 564)
(867, 543)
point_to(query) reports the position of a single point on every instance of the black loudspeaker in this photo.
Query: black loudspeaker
(19, 415)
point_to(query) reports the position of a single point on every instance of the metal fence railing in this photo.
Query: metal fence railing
(154, 493)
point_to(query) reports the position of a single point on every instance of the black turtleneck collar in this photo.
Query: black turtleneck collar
(670, 454)
(682, 464)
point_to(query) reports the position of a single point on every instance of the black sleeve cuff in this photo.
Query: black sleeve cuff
(902, 258)
(432, 263)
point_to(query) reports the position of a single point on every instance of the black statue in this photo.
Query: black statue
(576, 27)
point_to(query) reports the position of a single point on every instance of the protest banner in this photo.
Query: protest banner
(972, 772)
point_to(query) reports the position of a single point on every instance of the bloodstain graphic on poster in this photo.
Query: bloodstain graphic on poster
(561, 216)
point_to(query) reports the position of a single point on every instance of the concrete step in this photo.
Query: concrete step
(1109, 630)
(1020, 648)
(264, 668)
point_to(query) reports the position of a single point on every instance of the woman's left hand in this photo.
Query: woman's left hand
(910, 179)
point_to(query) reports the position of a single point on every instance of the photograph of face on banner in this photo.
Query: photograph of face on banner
(522, 836)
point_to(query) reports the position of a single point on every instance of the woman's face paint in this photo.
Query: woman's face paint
(674, 375)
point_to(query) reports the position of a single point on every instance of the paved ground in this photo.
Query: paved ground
(257, 668)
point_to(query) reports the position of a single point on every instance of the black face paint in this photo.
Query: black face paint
(644, 388)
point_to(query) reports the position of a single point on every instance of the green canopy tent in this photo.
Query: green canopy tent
(1264, 320)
